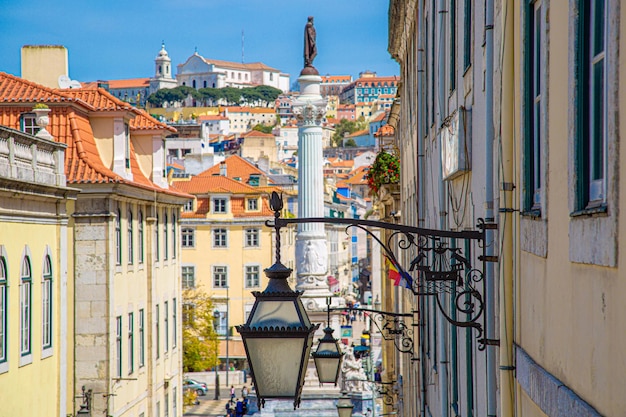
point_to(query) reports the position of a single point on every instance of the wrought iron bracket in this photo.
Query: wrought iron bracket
(390, 325)
(441, 265)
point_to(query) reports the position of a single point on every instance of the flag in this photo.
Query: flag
(398, 275)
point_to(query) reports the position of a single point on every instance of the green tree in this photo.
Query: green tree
(200, 343)
(263, 128)
(268, 94)
(350, 143)
(211, 96)
(344, 126)
(232, 95)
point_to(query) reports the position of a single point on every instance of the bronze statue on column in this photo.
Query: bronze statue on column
(310, 48)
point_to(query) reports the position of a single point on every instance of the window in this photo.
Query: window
(452, 45)
(165, 239)
(157, 331)
(118, 238)
(220, 238)
(252, 276)
(252, 237)
(188, 277)
(131, 344)
(3, 310)
(219, 205)
(29, 125)
(129, 232)
(140, 235)
(220, 277)
(173, 236)
(166, 322)
(46, 303)
(533, 175)
(467, 34)
(253, 203)
(187, 238)
(25, 307)
(142, 339)
(188, 207)
(592, 146)
(157, 243)
(118, 345)
(127, 147)
(174, 323)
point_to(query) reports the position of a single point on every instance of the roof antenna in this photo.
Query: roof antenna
(242, 46)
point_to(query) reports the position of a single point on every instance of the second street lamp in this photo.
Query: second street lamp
(328, 356)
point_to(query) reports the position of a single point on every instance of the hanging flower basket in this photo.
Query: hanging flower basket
(384, 170)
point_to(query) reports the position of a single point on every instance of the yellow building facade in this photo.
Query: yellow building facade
(36, 279)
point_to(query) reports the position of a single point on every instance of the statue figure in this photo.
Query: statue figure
(352, 370)
(311, 263)
(310, 48)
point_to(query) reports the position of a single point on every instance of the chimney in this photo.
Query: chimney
(223, 171)
(44, 64)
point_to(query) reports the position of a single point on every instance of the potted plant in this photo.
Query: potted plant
(41, 111)
(384, 170)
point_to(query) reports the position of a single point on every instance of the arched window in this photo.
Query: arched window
(46, 303)
(129, 233)
(165, 238)
(204, 83)
(118, 238)
(193, 83)
(159, 69)
(26, 279)
(3, 309)
(140, 235)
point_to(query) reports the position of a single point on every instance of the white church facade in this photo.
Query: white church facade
(200, 72)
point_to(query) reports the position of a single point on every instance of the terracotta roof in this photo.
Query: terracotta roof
(70, 124)
(347, 164)
(336, 78)
(17, 90)
(143, 121)
(130, 83)
(358, 176)
(358, 133)
(380, 117)
(257, 134)
(237, 65)
(236, 166)
(386, 130)
(214, 184)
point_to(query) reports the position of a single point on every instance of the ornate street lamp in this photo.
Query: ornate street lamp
(278, 334)
(328, 356)
(344, 405)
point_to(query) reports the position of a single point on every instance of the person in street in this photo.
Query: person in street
(244, 392)
(232, 392)
(239, 409)
(229, 409)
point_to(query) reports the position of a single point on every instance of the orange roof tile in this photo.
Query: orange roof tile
(386, 130)
(69, 124)
(239, 109)
(214, 184)
(237, 65)
(130, 83)
(256, 134)
(236, 166)
(358, 133)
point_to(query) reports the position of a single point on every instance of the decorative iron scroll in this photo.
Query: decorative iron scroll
(441, 267)
(390, 325)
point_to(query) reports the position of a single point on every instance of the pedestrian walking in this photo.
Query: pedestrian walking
(244, 392)
(232, 392)
(239, 409)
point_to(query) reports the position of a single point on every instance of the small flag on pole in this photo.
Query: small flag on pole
(399, 276)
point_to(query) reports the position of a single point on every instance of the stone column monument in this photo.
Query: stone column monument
(311, 250)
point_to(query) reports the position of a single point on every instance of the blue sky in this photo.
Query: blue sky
(114, 39)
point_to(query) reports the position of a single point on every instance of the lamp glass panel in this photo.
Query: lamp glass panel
(344, 411)
(327, 369)
(276, 365)
(276, 314)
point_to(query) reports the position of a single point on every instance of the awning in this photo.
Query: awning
(332, 280)
(235, 349)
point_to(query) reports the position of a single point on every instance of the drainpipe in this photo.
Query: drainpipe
(507, 220)
(491, 238)
(442, 323)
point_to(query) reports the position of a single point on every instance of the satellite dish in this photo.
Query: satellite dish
(64, 81)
